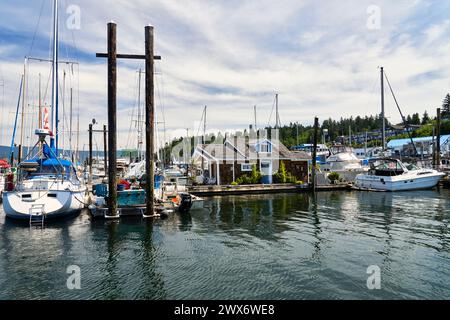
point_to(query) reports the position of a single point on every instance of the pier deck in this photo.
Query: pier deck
(260, 189)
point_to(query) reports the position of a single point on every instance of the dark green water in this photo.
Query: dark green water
(251, 247)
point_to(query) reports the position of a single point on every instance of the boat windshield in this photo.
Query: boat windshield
(412, 167)
(386, 168)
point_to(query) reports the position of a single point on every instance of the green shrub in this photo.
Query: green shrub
(254, 178)
(281, 176)
(234, 183)
(334, 176)
(256, 175)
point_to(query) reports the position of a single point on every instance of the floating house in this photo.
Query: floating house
(222, 164)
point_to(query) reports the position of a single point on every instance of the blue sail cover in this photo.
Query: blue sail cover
(51, 162)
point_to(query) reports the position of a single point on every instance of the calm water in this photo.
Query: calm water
(250, 247)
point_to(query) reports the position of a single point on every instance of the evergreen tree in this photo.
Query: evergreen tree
(446, 107)
(425, 118)
(415, 119)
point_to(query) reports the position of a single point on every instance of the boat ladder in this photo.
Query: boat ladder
(37, 214)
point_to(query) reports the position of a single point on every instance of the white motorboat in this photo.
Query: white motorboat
(342, 158)
(393, 175)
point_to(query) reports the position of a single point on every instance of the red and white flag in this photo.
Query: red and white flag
(46, 115)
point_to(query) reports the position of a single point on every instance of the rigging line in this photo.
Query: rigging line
(136, 79)
(201, 123)
(37, 27)
(163, 103)
(271, 113)
(405, 123)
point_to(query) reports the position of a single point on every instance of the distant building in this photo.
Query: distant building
(424, 146)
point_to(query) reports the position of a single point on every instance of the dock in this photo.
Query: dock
(202, 191)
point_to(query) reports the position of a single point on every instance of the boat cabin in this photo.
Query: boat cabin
(387, 168)
(47, 168)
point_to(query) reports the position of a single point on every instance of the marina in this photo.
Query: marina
(144, 171)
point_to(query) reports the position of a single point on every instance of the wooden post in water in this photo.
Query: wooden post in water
(149, 118)
(105, 148)
(383, 115)
(90, 160)
(112, 119)
(19, 155)
(314, 155)
(112, 114)
(438, 138)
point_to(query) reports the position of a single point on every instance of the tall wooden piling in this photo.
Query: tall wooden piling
(438, 138)
(149, 118)
(105, 148)
(383, 115)
(90, 160)
(314, 155)
(112, 119)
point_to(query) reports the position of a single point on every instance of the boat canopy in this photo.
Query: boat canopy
(50, 162)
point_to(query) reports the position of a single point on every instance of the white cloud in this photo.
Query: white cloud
(231, 55)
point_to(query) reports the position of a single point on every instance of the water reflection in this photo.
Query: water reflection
(263, 217)
(287, 246)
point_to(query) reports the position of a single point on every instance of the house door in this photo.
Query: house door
(266, 171)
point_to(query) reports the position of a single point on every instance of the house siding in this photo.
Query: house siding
(298, 168)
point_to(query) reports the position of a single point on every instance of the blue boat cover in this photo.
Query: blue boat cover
(51, 162)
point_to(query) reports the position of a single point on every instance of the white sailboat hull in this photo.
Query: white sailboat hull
(54, 204)
(406, 182)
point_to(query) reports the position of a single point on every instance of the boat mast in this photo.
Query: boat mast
(23, 109)
(383, 117)
(54, 114)
(40, 103)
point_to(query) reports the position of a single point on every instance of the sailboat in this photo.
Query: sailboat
(389, 174)
(47, 185)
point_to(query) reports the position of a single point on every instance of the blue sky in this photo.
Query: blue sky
(320, 56)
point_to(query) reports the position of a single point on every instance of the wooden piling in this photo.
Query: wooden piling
(149, 118)
(314, 155)
(105, 148)
(19, 155)
(112, 119)
(90, 160)
(438, 138)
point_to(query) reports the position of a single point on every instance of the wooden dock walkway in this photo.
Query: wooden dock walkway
(202, 191)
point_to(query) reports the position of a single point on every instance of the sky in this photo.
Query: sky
(321, 57)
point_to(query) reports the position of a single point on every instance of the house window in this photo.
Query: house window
(246, 167)
(265, 148)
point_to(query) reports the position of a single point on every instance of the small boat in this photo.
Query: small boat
(392, 175)
(342, 158)
(322, 151)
